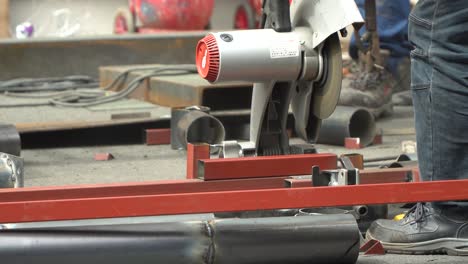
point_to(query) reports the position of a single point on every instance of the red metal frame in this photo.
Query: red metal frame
(268, 166)
(196, 152)
(136, 189)
(60, 204)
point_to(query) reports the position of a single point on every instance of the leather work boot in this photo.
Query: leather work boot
(424, 230)
(378, 90)
(371, 90)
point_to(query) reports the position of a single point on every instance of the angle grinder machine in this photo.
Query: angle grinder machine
(295, 62)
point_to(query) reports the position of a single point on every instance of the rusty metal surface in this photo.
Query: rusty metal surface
(183, 90)
(84, 55)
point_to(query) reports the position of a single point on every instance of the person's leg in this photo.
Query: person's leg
(392, 27)
(439, 83)
(373, 90)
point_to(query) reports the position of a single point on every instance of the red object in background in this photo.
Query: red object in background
(162, 15)
(248, 14)
(160, 136)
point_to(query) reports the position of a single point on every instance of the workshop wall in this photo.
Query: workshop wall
(63, 18)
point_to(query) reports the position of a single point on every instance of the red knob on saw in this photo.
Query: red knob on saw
(207, 58)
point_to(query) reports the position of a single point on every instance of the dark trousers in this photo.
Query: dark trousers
(438, 30)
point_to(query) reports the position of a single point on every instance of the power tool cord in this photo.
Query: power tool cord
(76, 96)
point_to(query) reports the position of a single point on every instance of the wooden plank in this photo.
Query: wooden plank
(4, 18)
(45, 57)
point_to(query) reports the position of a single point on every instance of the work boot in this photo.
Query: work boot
(401, 91)
(370, 90)
(379, 89)
(424, 230)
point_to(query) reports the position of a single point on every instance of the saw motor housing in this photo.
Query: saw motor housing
(295, 63)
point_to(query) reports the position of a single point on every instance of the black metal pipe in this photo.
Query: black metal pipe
(10, 141)
(163, 243)
(301, 239)
(348, 122)
(311, 239)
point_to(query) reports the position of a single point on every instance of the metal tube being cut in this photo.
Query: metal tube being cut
(301, 239)
(348, 122)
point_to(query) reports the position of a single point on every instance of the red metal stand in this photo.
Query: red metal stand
(196, 152)
(61, 204)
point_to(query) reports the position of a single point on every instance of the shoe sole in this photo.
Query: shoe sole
(449, 246)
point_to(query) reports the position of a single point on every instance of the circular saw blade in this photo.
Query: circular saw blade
(327, 90)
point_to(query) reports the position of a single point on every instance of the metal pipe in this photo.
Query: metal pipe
(348, 122)
(163, 243)
(361, 210)
(301, 239)
(47, 225)
(317, 239)
(195, 126)
(10, 141)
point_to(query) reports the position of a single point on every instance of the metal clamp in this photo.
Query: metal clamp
(339, 177)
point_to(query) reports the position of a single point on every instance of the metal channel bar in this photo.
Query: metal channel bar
(267, 166)
(135, 189)
(370, 176)
(17, 209)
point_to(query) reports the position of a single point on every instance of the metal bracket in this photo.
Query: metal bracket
(348, 175)
(11, 171)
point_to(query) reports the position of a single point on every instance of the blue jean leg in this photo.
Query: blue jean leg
(439, 82)
(392, 26)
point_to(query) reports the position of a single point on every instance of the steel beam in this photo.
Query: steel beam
(16, 207)
(267, 166)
